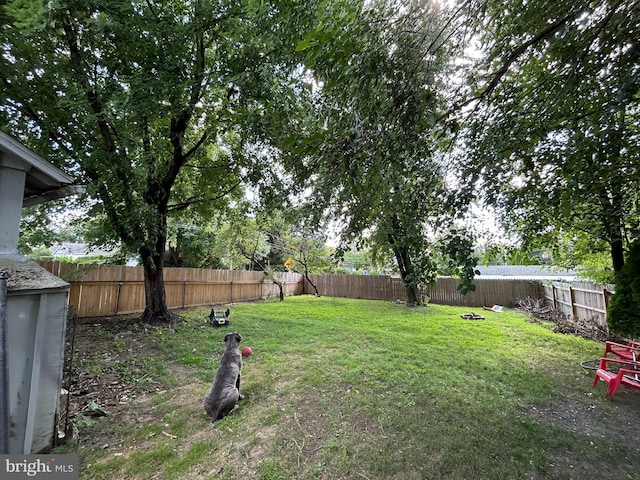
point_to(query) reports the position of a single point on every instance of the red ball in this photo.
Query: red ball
(246, 351)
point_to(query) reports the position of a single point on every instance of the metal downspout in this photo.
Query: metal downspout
(4, 367)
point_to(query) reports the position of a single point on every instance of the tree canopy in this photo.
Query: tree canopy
(154, 105)
(374, 155)
(171, 112)
(553, 135)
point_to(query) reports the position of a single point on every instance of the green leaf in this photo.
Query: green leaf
(304, 44)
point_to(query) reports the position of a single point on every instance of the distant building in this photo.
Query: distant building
(77, 251)
(526, 272)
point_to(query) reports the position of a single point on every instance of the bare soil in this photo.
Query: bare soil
(618, 423)
(103, 373)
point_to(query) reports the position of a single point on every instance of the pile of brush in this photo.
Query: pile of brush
(538, 311)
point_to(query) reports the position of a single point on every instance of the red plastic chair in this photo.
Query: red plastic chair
(630, 351)
(628, 375)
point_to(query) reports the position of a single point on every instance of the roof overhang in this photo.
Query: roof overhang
(44, 181)
(49, 195)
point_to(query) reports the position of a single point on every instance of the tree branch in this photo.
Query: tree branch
(192, 201)
(179, 125)
(510, 60)
(91, 94)
(197, 145)
(550, 30)
(29, 112)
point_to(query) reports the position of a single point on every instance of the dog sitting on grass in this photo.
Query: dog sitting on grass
(224, 394)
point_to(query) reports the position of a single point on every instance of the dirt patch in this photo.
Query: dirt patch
(567, 464)
(105, 371)
(590, 419)
(607, 424)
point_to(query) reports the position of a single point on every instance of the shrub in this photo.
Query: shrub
(623, 314)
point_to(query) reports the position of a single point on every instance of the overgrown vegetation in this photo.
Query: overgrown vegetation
(340, 388)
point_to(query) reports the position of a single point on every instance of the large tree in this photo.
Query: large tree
(374, 156)
(129, 94)
(555, 120)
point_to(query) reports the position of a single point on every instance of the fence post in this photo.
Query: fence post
(184, 292)
(605, 294)
(555, 296)
(118, 297)
(571, 299)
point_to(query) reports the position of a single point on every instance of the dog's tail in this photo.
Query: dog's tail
(210, 407)
(214, 415)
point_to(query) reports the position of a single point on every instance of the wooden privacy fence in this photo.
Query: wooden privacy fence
(99, 290)
(488, 292)
(445, 291)
(581, 301)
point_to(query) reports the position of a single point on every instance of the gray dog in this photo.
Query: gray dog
(224, 394)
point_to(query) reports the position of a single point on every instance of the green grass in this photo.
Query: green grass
(341, 388)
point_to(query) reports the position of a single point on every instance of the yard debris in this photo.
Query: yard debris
(472, 316)
(495, 308)
(538, 308)
(96, 410)
(589, 329)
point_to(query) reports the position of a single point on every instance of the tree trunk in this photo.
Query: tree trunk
(303, 261)
(403, 258)
(306, 275)
(269, 274)
(617, 254)
(281, 288)
(617, 233)
(156, 311)
(414, 297)
(611, 199)
(612, 220)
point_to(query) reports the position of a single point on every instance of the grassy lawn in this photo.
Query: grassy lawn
(340, 388)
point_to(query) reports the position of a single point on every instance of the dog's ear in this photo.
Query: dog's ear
(238, 337)
(227, 337)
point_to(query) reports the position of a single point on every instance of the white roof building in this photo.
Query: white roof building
(526, 272)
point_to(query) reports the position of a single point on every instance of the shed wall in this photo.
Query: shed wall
(36, 329)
